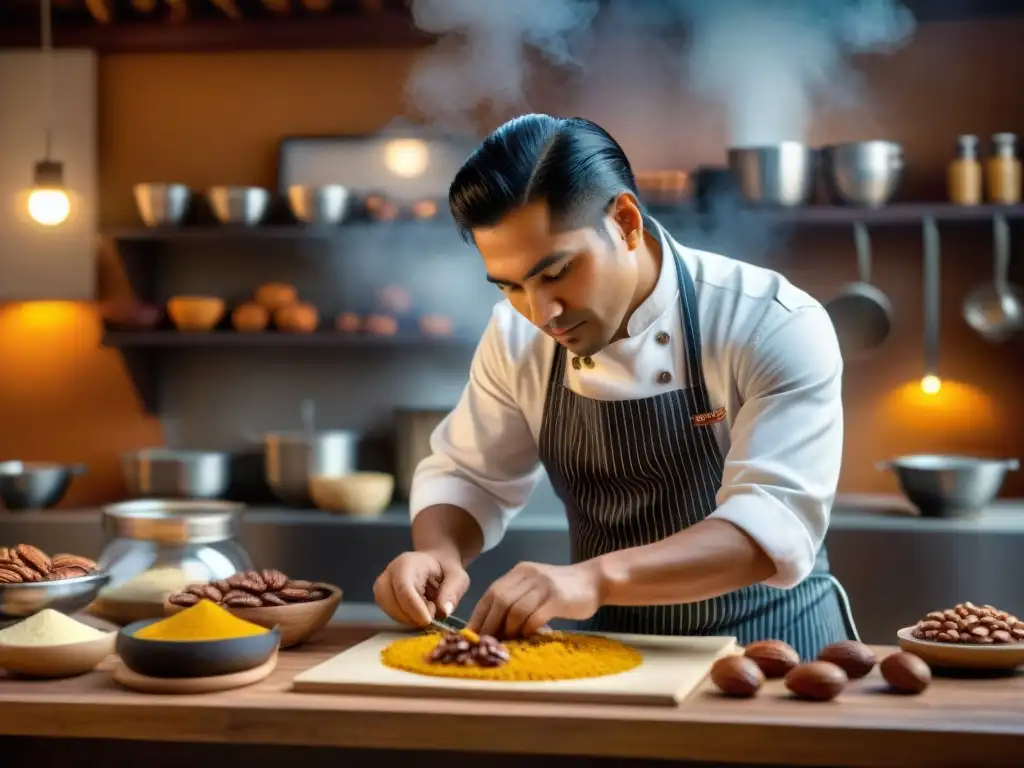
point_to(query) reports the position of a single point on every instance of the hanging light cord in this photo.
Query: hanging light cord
(46, 25)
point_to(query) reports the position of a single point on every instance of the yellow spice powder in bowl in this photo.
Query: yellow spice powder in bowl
(52, 645)
(557, 656)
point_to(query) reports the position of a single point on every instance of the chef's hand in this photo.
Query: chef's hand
(531, 594)
(419, 586)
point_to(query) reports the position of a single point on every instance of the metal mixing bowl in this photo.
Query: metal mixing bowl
(26, 485)
(777, 175)
(949, 486)
(319, 205)
(863, 172)
(162, 204)
(292, 458)
(238, 205)
(159, 472)
(19, 601)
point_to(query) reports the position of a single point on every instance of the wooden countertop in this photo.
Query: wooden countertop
(956, 721)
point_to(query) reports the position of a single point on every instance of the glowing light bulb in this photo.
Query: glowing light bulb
(49, 207)
(407, 158)
(931, 384)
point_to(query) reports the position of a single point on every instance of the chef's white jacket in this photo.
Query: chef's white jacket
(770, 358)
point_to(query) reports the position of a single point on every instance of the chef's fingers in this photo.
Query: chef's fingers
(505, 597)
(384, 594)
(538, 621)
(483, 607)
(521, 611)
(409, 596)
(453, 588)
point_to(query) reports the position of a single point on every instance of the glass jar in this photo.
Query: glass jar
(157, 547)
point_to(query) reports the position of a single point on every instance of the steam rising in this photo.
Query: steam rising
(766, 61)
(481, 58)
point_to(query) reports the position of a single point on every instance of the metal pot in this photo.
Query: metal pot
(163, 473)
(862, 172)
(414, 429)
(238, 205)
(162, 204)
(28, 485)
(319, 205)
(949, 486)
(777, 175)
(291, 458)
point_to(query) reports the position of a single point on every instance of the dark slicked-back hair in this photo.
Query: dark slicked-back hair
(572, 164)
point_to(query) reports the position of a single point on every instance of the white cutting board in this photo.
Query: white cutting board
(672, 667)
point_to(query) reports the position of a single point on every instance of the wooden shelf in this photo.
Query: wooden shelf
(220, 339)
(901, 214)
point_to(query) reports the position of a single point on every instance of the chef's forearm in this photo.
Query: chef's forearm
(448, 531)
(706, 560)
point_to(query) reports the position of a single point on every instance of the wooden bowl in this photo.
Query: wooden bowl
(195, 313)
(956, 656)
(55, 661)
(297, 621)
(365, 494)
(200, 658)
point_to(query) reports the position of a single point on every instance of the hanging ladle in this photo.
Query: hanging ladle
(861, 313)
(996, 310)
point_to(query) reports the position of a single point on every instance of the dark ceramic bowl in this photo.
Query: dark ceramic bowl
(204, 658)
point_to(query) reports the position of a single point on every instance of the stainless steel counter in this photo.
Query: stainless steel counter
(896, 567)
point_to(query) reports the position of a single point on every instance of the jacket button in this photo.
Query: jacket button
(576, 364)
(664, 377)
(662, 337)
(588, 363)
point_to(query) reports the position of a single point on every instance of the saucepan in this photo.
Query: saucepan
(949, 486)
(861, 313)
(779, 175)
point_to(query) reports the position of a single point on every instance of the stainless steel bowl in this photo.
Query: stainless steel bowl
(18, 601)
(292, 458)
(949, 486)
(779, 175)
(319, 205)
(862, 173)
(162, 204)
(173, 522)
(26, 485)
(239, 205)
(159, 472)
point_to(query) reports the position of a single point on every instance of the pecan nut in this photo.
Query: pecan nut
(294, 594)
(249, 581)
(184, 599)
(64, 560)
(240, 599)
(205, 591)
(67, 572)
(274, 580)
(272, 599)
(27, 574)
(34, 557)
(970, 623)
(9, 577)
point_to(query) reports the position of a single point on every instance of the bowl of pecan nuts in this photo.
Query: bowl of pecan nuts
(31, 580)
(268, 598)
(967, 636)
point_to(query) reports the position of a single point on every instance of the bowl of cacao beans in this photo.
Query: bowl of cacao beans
(269, 598)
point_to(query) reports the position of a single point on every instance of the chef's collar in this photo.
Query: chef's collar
(666, 290)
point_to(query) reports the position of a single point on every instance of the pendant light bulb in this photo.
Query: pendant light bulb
(931, 384)
(48, 201)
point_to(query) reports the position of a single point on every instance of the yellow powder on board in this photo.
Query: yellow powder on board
(558, 656)
(46, 628)
(203, 621)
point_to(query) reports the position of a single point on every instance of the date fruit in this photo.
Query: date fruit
(774, 657)
(738, 676)
(905, 672)
(816, 681)
(855, 659)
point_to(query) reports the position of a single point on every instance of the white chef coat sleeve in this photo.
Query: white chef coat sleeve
(782, 470)
(483, 455)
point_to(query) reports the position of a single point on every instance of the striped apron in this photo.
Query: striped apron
(637, 471)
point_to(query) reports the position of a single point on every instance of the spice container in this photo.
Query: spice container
(1002, 171)
(158, 547)
(964, 177)
(51, 645)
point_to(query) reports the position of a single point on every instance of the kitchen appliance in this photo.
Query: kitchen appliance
(238, 205)
(412, 444)
(162, 204)
(779, 175)
(861, 313)
(19, 601)
(863, 173)
(949, 486)
(195, 539)
(672, 667)
(318, 205)
(170, 474)
(26, 485)
(996, 311)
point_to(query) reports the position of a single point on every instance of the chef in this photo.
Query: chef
(685, 407)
